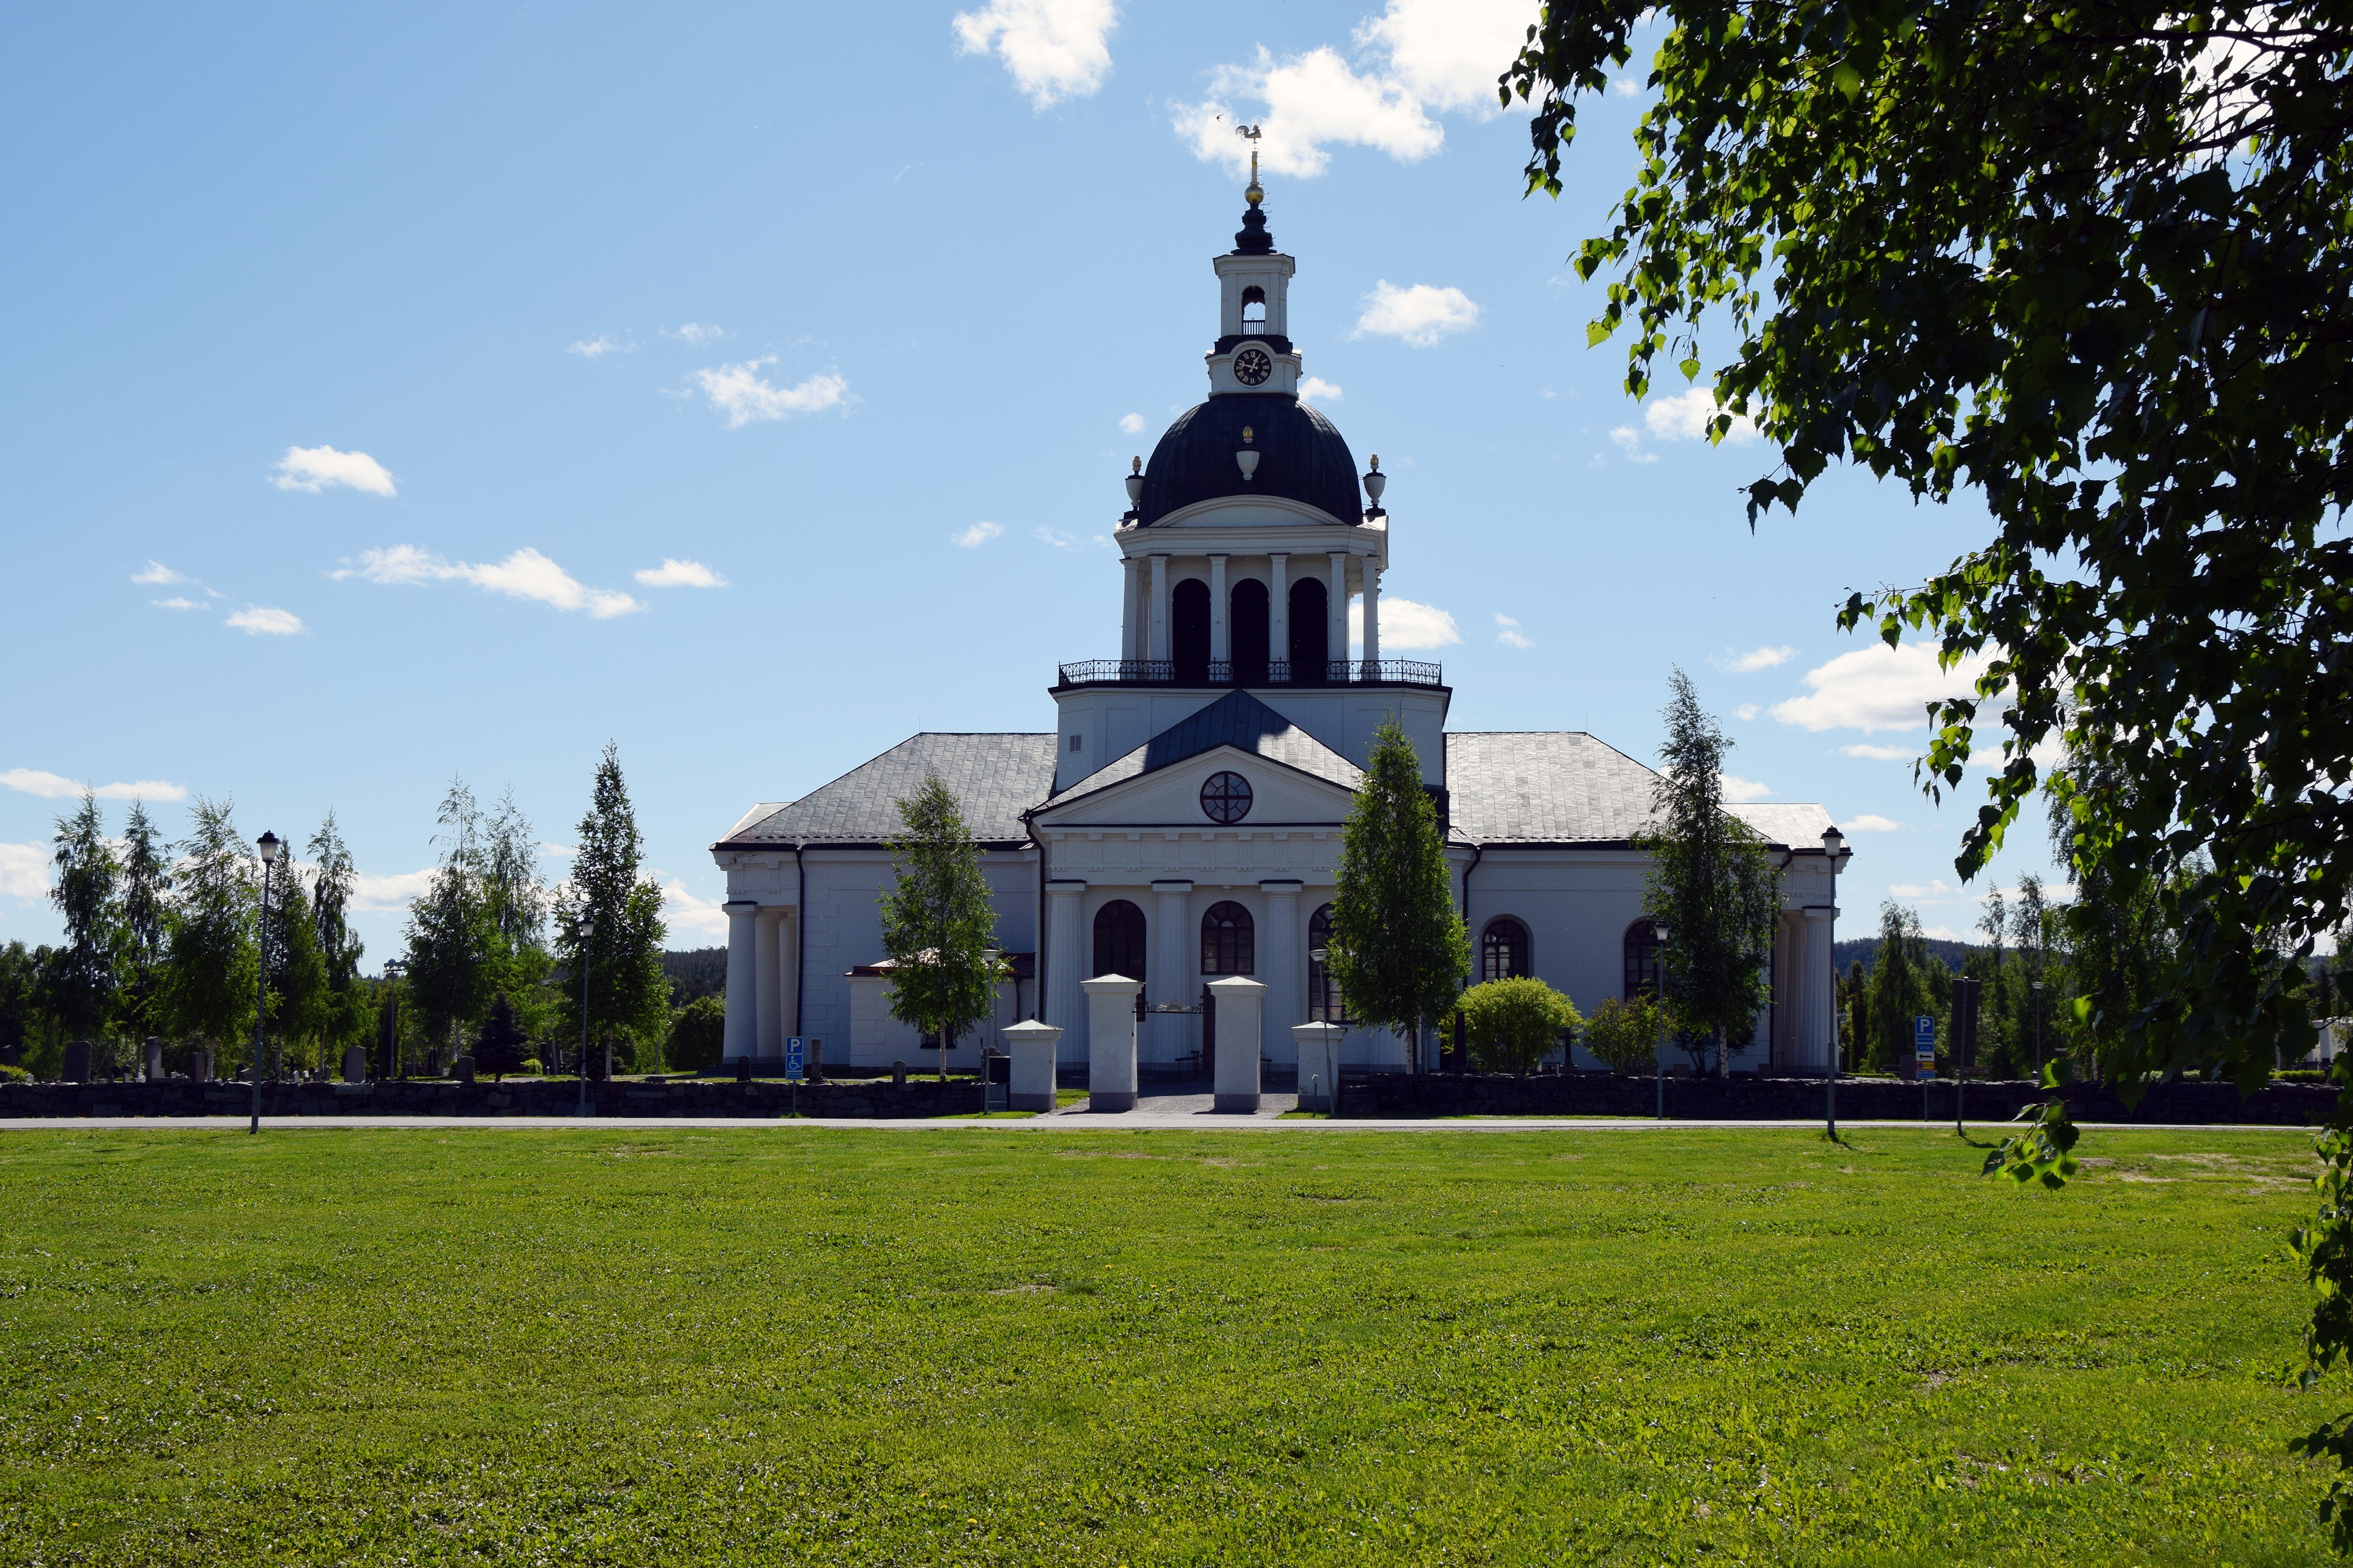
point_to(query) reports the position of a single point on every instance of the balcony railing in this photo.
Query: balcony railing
(1240, 672)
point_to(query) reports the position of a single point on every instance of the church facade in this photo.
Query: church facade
(1182, 821)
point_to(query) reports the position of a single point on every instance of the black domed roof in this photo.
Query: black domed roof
(1301, 457)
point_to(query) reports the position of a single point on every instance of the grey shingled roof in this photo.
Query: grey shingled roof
(1237, 720)
(1538, 786)
(995, 776)
(1792, 826)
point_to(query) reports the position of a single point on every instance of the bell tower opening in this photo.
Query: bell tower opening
(1248, 622)
(1253, 309)
(1189, 632)
(1310, 631)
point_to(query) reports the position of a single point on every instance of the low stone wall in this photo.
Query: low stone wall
(1774, 1099)
(764, 1098)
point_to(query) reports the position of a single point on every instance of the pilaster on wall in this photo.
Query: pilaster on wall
(742, 979)
(769, 1041)
(1172, 952)
(1066, 959)
(1282, 965)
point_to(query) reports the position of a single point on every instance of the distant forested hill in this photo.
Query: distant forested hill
(1863, 949)
(701, 971)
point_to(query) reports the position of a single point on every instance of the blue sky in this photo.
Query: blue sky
(407, 393)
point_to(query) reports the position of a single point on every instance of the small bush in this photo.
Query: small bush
(698, 1035)
(1515, 1024)
(1625, 1034)
(14, 1075)
(531, 1067)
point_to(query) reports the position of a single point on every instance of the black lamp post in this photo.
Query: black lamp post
(1659, 1055)
(268, 846)
(392, 970)
(587, 935)
(2038, 1031)
(1834, 848)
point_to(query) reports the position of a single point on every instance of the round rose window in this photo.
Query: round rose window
(1226, 797)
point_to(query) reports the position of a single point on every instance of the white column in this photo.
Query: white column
(742, 979)
(1159, 607)
(1221, 645)
(1111, 1041)
(1338, 606)
(1240, 1012)
(1372, 611)
(770, 1041)
(1066, 959)
(1817, 1020)
(1131, 640)
(1282, 962)
(1174, 950)
(1278, 609)
(1032, 1046)
(788, 969)
(1318, 1046)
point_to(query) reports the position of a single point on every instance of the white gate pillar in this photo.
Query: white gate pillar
(1240, 1001)
(1111, 1041)
(1319, 1064)
(1032, 1046)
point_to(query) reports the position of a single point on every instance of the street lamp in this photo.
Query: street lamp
(2038, 1031)
(587, 935)
(392, 970)
(1658, 1053)
(268, 846)
(1835, 851)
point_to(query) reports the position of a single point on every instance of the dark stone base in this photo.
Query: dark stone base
(764, 1098)
(1031, 1101)
(1111, 1099)
(1236, 1104)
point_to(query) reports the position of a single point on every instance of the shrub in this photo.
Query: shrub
(531, 1067)
(1514, 1024)
(1625, 1034)
(498, 1049)
(698, 1034)
(14, 1074)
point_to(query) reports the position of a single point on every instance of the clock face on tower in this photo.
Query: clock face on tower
(1252, 367)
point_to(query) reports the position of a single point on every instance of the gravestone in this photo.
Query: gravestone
(76, 1061)
(817, 1059)
(355, 1064)
(154, 1063)
(742, 1070)
(898, 1075)
(200, 1064)
(462, 1070)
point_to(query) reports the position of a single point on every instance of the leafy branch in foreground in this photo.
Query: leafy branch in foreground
(2043, 1150)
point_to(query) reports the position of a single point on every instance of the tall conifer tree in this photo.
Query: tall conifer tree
(211, 959)
(146, 895)
(629, 995)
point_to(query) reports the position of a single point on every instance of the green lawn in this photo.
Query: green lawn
(830, 1346)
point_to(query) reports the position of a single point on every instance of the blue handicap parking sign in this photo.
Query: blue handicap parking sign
(792, 1057)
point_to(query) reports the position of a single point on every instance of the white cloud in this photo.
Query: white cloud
(55, 786)
(1315, 389)
(1417, 59)
(600, 345)
(737, 391)
(1879, 687)
(681, 574)
(1404, 624)
(1685, 416)
(379, 894)
(1741, 790)
(1746, 710)
(267, 620)
(1629, 441)
(157, 575)
(525, 575)
(682, 911)
(1055, 49)
(24, 872)
(978, 534)
(1918, 890)
(1509, 632)
(1418, 316)
(697, 333)
(1045, 535)
(1871, 823)
(1879, 753)
(176, 604)
(1757, 659)
(1132, 422)
(314, 468)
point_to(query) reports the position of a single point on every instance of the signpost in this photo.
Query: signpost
(1923, 1056)
(794, 1045)
(1965, 1040)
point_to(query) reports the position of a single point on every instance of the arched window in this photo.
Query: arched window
(1641, 958)
(1119, 940)
(1189, 631)
(1311, 630)
(1504, 951)
(1253, 307)
(1228, 938)
(1324, 1004)
(1245, 624)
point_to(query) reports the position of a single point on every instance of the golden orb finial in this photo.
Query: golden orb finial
(1250, 134)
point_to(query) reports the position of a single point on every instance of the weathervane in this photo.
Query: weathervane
(1250, 134)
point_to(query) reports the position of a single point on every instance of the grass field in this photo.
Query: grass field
(800, 1346)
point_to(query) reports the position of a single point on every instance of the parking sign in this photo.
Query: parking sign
(793, 1057)
(1924, 1045)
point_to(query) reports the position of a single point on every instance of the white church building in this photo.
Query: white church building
(1181, 821)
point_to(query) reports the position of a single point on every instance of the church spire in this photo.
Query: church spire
(1252, 239)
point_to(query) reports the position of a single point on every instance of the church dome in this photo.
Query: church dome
(1301, 457)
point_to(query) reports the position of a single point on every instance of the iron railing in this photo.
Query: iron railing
(1240, 672)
